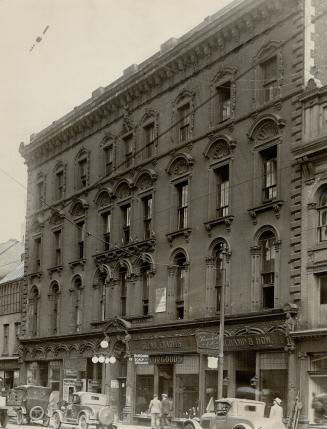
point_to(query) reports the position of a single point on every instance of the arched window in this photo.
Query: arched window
(54, 308)
(180, 264)
(123, 290)
(267, 253)
(77, 304)
(145, 272)
(33, 317)
(219, 266)
(323, 216)
(100, 294)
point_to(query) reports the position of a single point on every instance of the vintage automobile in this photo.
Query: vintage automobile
(235, 413)
(30, 403)
(86, 410)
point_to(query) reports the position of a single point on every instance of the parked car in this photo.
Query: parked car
(235, 413)
(30, 403)
(87, 409)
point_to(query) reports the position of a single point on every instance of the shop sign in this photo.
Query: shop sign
(208, 342)
(141, 359)
(261, 341)
(71, 373)
(68, 389)
(164, 359)
(78, 364)
(114, 384)
(163, 345)
(161, 299)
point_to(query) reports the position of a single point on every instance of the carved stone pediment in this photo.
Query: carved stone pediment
(180, 164)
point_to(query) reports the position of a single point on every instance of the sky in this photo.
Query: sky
(86, 44)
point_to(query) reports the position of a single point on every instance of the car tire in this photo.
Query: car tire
(56, 422)
(189, 425)
(36, 413)
(82, 422)
(4, 418)
(46, 421)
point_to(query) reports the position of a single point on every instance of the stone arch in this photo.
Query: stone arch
(54, 285)
(249, 331)
(56, 218)
(123, 189)
(181, 163)
(176, 251)
(185, 95)
(219, 146)
(103, 197)
(262, 230)
(145, 258)
(266, 127)
(103, 272)
(124, 263)
(144, 179)
(78, 207)
(216, 242)
(34, 292)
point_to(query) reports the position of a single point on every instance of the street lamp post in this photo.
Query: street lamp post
(221, 331)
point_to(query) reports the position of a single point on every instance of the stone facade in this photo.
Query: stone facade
(188, 158)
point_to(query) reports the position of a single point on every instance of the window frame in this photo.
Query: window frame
(182, 205)
(266, 287)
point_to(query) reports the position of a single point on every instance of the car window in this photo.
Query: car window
(250, 408)
(222, 408)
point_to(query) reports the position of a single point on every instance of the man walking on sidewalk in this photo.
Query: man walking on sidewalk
(165, 410)
(155, 411)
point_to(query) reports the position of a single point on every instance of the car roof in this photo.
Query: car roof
(232, 400)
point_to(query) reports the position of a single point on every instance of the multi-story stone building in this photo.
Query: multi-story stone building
(167, 186)
(10, 320)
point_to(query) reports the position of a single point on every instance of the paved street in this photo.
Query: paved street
(39, 426)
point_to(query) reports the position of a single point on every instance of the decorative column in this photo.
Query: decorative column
(202, 377)
(210, 294)
(255, 281)
(130, 397)
(303, 389)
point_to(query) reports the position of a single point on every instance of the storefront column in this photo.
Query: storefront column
(291, 387)
(231, 375)
(303, 389)
(22, 373)
(202, 376)
(156, 380)
(130, 381)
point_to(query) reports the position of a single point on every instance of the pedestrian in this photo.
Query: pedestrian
(276, 411)
(165, 410)
(155, 411)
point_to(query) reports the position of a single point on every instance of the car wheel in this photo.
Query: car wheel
(19, 417)
(189, 425)
(46, 421)
(56, 422)
(36, 413)
(4, 418)
(82, 422)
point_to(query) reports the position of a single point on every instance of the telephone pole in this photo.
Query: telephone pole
(221, 331)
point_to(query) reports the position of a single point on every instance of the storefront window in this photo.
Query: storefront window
(187, 390)
(144, 393)
(211, 383)
(273, 385)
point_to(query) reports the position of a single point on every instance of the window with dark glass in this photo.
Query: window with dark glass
(222, 175)
(77, 304)
(149, 140)
(128, 145)
(5, 348)
(34, 311)
(37, 253)
(270, 78)
(322, 209)
(269, 160)
(123, 290)
(219, 272)
(106, 220)
(17, 329)
(267, 246)
(180, 263)
(10, 298)
(184, 113)
(82, 166)
(182, 210)
(40, 194)
(147, 216)
(145, 271)
(126, 211)
(59, 184)
(81, 239)
(224, 101)
(108, 159)
(54, 312)
(323, 289)
(57, 246)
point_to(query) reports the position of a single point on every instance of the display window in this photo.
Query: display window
(144, 393)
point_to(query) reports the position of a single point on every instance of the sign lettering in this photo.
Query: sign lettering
(166, 359)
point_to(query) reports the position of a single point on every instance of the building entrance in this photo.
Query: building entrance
(166, 380)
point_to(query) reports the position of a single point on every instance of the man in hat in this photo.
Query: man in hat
(165, 410)
(155, 410)
(276, 411)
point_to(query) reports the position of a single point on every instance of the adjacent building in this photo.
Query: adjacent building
(172, 183)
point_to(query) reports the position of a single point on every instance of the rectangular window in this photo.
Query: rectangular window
(17, 329)
(40, 194)
(184, 122)
(269, 159)
(182, 210)
(270, 75)
(108, 159)
(224, 101)
(126, 211)
(128, 143)
(222, 175)
(149, 140)
(57, 246)
(81, 239)
(106, 219)
(180, 286)
(145, 286)
(60, 185)
(123, 292)
(5, 348)
(147, 216)
(10, 298)
(323, 290)
(83, 172)
(268, 272)
(37, 253)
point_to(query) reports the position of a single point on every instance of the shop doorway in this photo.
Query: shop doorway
(121, 396)
(166, 380)
(244, 375)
